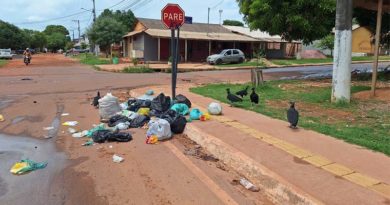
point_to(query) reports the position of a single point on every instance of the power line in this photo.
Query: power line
(53, 19)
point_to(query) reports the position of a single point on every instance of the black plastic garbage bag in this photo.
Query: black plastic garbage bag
(139, 121)
(178, 122)
(183, 99)
(115, 120)
(161, 103)
(101, 136)
(134, 104)
(146, 104)
(120, 137)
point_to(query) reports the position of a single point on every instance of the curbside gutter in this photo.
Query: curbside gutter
(278, 189)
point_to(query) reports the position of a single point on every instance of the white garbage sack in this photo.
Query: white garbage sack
(160, 128)
(108, 106)
(215, 108)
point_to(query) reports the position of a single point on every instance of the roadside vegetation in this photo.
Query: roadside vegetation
(138, 69)
(364, 122)
(325, 60)
(2, 63)
(245, 64)
(90, 59)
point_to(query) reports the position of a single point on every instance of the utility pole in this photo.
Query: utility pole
(73, 33)
(94, 20)
(78, 28)
(220, 16)
(341, 84)
(208, 20)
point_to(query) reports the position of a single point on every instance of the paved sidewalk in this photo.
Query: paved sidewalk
(325, 168)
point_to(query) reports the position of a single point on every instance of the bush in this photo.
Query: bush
(140, 69)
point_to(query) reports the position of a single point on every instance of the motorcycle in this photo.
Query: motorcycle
(27, 60)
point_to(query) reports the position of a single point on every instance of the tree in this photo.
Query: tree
(69, 45)
(50, 29)
(38, 40)
(232, 23)
(56, 41)
(12, 37)
(367, 18)
(106, 31)
(127, 18)
(293, 19)
(327, 43)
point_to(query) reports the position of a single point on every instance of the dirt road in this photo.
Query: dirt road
(34, 97)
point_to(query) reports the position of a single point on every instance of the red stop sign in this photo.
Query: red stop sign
(172, 16)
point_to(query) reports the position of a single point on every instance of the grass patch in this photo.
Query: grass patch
(90, 59)
(138, 69)
(2, 63)
(361, 122)
(245, 64)
(325, 60)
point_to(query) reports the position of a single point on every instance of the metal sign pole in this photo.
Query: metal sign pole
(173, 57)
(177, 57)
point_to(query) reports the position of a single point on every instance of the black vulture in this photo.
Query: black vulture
(254, 97)
(293, 116)
(243, 93)
(95, 101)
(232, 98)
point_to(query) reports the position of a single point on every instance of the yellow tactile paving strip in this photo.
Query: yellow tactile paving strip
(313, 159)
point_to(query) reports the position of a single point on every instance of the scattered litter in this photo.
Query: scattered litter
(108, 106)
(151, 140)
(70, 123)
(96, 128)
(35, 102)
(177, 122)
(149, 92)
(183, 99)
(64, 114)
(248, 185)
(195, 114)
(102, 136)
(117, 159)
(215, 108)
(181, 108)
(110, 146)
(159, 128)
(88, 143)
(116, 119)
(47, 137)
(2, 118)
(48, 128)
(205, 117)
(80, 134)
(26, 79)
(71, 130)
(26, 165)
(139, 121)
(144, 111)
(145, 97)
(122, 126)
(124, 105)
(161, 103)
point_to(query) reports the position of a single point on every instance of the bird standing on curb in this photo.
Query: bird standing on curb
(232, 98)
(243, 93)
(254, 97)
(292, 116)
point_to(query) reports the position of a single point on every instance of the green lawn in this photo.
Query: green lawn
(326, 60)
(2, 62)
(138, 69)
(254, 64)
(91, 59)
(363, 122)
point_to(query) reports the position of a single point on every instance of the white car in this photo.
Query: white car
(227, 56)
(5, 53)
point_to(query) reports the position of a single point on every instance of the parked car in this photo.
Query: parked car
(6, 53)
(227, 56)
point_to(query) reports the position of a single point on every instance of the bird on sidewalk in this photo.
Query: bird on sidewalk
(254, 97)
(95, 101)
(243, 93)
(232, 98)
(292, 116)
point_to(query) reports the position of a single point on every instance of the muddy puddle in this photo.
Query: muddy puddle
(35, 187)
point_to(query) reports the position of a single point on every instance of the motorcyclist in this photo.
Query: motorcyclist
(27, 53)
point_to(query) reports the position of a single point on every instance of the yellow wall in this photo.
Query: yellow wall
(139, 27)
(361, 41)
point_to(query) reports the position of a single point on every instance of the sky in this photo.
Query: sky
(36, 14)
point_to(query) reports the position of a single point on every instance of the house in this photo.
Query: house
(273, 46)
(362, 40)
(150, 41)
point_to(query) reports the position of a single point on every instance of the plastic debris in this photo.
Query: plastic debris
(117, 159)
(64, 114)
(248, 185)
(70, 123)
(2, 118)
(108, 106)
(159, 128)
(149, 92)
(88, 143)
(151, 140)
(122, 126)
(71, 130)
(96, 128)
(26, 165)
(181, 108)
(195, 114)
(144, 111)
(48, 128)
(80, 134)
(215, 108)
(124, 106)
(205, 117)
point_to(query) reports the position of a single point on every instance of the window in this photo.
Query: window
(274, 46)
(235, 52)
(228, 53)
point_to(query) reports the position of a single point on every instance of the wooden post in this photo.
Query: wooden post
(257, 77)
(209, 48)
(185, 50)
(159, 49)
(376, 52)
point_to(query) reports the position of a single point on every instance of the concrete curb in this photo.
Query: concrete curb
(278, 189)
